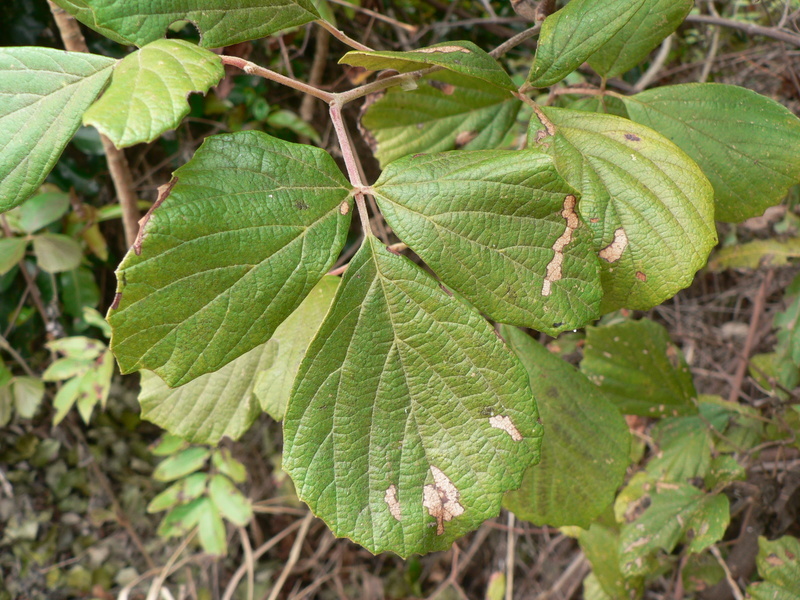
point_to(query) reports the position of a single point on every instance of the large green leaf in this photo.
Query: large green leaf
(501, 228)
(639, 369)
(650, 206)
(221, 22)
(653, 21)
(409, 418)
(585, 446)
(289, 344)
(448, 112)
(213, 406)
(43, 93)
(745, 143)
(574, 33)
(461, 57)
(149, 89)
(779, 564)
(250, 227)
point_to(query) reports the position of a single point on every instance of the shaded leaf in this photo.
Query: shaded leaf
(149, 90)
(252, 224)
(585, 445)
(639, 369)
(42, 209)
(410, 418)
(501, 228)
(43, 93)
(288, 346)
(650, 207)
(56, 253)
(12, 250)
(220, 22)
(755, 254)
(744, 142)
(460, 57)
(448, 112)
(600, 545)
(78, 290)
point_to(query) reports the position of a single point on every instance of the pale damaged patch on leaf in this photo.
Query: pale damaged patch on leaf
(507, 425)
(613, 252)
(441, 499)
(344, 208)
(554, 268)
(442, 49)
(392, 502)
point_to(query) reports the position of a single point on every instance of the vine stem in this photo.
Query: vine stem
(350, 163)
(342, 36)
(117, 162)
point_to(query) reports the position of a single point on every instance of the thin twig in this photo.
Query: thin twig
(254, 69)
(16, 356)
(342, 36)
(515, 41)
(294, 554)
(655, 66)
(249, 562)
(376, 15)
(750, 28)
(511, 544)
(158, 582)
(737, 593)
(117, 162)
(321, 47)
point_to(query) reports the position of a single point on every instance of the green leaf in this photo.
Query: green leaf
(78, 290)
(42, 209)
(149, 90)
(574, 33)
(96, 385)
(756, 254)
(65, 368)
(460, 57)
(28, 395)
(12, 250)
(56, 253)
(684, 444)
(181, 464)
(169, 444)
(43, 93)
(229, 501)
(409, 418)
(639, 369)
(252, 224)
(787, 325)
(500, 227)
(185, 490)
(65, 398)
(210, 407)
(289, 344)
(77, 347)
(600, 545)
(181, 519)
(650, 24)
(220, 22)
(649, 205)
(677, 512)
(585, 446)
(448, 112)
(224, 462)
(286, 119)
(744, 142)
(778, 563)
(211, 529)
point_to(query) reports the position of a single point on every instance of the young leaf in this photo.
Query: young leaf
(650, 206)
(12, 250)
(221, 22)
(501, 228)
(149, 90)
(169, 444)
(43, 93)
(639, 369)
(674, 513)
(574, 33)
(289, 344)
(756, 254)
(224, 462)
(449, 112)
(56, 253)
(210, 407)
(585, 445)
(648, 26)
(211, 529)
(185, 490)
(252, 224)
(42, 209)
(460, 57)
(779, 565)
(181, 464)
(745, 143)
(409, 417)
(229, 501)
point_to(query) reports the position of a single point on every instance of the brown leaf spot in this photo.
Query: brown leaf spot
(163, 193)
(117, 300)
(464, 138)
(614, 250)
(443, 49)
(441, 499)
(554, 267)
(301, 205)
(446, 88)
(507, 425)
(392, 502)
(775, 560)
(633, 137)
(641, 276)
(344, 208)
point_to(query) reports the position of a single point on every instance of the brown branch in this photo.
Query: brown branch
(117, 163)
(750, 28)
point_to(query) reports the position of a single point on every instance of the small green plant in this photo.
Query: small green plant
(407, 415)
